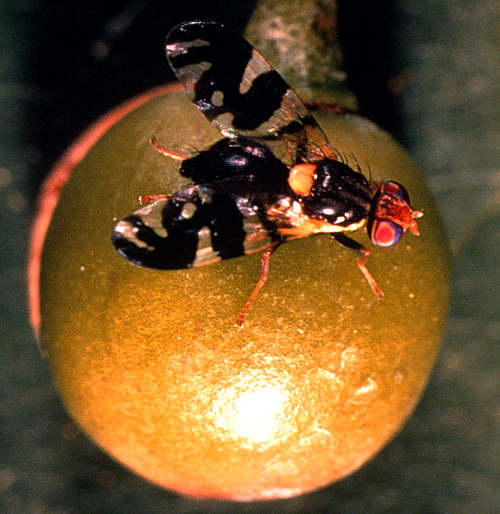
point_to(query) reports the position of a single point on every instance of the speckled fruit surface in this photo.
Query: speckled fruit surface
(150, 366)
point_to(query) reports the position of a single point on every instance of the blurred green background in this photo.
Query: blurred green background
(429, 73)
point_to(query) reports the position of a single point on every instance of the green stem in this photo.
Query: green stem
(300, 39)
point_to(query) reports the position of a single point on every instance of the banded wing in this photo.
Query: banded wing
(198, 226)
(240, 93)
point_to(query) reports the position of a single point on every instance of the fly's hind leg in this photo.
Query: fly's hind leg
(168, 153)
(262, 280)
(144, 200)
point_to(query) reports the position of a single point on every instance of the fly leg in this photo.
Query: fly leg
(347, 242)
(262, 280)
(168, 153)
(144, 200)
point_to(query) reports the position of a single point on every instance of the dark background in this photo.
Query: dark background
(428, 72)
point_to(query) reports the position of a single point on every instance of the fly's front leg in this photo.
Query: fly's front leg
(365, 255)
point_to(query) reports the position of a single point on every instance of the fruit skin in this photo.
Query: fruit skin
(150, 366)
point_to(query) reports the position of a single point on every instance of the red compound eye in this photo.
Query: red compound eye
(385, 232)
(396, 190)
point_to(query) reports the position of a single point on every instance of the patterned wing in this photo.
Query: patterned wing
(239, 91)
(198, 226)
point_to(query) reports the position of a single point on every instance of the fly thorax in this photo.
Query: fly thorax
(339, 195)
